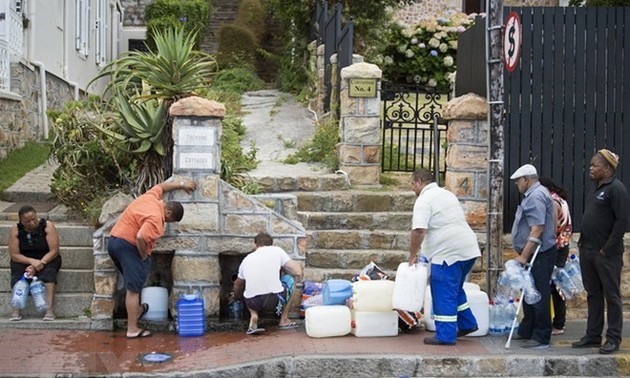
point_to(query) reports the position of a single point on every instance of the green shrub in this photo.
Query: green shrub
(91, 165)
(322, 148)
(251, 14)
(424, 53)
(237, 79)
(193, 15)
(237, 47)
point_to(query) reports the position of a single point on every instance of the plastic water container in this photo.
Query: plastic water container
(478, 302)
(471, 286)
(375, 295)
(327, 321)
(336, 291)
(191, 320)
(374, 324)
(157, 299)
(409, 287)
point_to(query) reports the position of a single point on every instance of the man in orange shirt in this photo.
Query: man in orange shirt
(132, 239)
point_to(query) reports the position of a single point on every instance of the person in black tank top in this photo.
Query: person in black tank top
(34, 249)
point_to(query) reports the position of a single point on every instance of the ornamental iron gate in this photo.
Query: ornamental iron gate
(414, 133)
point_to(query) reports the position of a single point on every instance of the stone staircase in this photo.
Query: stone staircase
(349, 229)
(75, 286)
(223, 11)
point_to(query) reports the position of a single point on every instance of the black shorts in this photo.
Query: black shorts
(46, 275)
(127, 259)
(264, 301)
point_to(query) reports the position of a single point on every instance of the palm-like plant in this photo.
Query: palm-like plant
(171, 71)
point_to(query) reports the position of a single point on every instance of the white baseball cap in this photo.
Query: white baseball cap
(524, 170)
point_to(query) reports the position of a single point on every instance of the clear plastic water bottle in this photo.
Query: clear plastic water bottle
(20, 293)
(531, 295)
(564, 283)
(504, 288)
(495, 328)
(510, 312)
(236, 309)
(573, 269)
(38, 292)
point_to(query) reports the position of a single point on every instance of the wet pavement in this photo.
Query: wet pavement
(66, 353)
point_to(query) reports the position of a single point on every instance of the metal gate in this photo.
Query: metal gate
(414, 133)
(568, 97)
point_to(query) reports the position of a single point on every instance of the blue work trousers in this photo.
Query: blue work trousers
(450, 306)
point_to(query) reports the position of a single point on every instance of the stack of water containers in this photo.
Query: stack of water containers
(191, 319)
(372, 312)
(568, 280)
(333, 317)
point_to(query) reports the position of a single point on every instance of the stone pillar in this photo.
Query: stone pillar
(467, 157)
(359, 123)
(467, 163)
(320, 85)
(197, 153)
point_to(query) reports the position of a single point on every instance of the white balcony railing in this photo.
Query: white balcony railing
(5, 67)
(11, 28)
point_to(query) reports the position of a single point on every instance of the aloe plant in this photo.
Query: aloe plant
(171, 71)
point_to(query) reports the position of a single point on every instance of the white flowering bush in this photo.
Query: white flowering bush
(424, 53)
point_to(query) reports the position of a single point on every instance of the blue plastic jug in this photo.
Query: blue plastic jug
(336, 291)
(191, 319)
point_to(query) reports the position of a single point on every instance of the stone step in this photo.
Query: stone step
(72, 257)
(68, 281)
(355, 221)
(358, 239)
(67, 305)
(356, 201)
(355, 259)
(51, 211)
(295, 183)
(77, 235)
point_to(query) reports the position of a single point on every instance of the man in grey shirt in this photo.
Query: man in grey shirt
(535, 225)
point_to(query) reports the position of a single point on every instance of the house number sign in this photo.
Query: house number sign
(362, 88)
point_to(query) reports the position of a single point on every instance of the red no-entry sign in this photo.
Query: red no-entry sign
(512, 37)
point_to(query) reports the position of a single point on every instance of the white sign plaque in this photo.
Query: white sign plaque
(196, 160)
(196, 136)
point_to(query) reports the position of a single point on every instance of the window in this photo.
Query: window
(101, 32)
(82, 26)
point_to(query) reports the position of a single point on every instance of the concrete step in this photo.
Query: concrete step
(355, 260)
(76, 235)
(68, 281)
(355, 201)
(52, 211)
(72, 257)
(294, 183)
(67, 305)
(355, 221)
(358, 239)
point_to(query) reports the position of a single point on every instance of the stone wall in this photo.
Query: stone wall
(411, 14)
(19, 115)
(134, 12)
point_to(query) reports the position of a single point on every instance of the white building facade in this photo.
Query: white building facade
(49, 51)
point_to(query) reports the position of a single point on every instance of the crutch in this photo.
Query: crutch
(520, 302)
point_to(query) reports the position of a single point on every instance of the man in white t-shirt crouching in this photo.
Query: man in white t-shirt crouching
(267, 276)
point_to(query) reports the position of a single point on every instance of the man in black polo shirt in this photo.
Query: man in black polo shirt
(601, 252)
